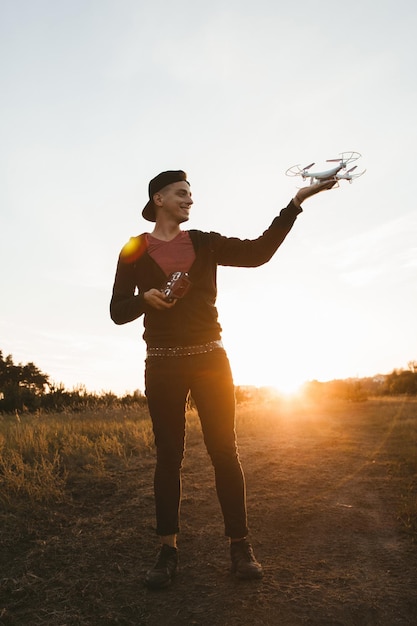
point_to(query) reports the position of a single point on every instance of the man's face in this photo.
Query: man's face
(174, 201)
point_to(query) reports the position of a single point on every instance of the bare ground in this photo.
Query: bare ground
(324, 493)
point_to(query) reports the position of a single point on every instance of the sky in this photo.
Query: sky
(98, 96)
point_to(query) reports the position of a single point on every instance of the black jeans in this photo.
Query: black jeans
(208, 377)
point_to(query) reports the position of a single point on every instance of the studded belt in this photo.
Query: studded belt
(185, 350)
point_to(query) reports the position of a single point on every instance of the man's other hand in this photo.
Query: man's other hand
(306, 192)
(157, 300)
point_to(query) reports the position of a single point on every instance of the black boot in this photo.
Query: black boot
(162, 573)
(244, 564)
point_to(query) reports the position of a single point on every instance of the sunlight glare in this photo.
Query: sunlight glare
(304, 339)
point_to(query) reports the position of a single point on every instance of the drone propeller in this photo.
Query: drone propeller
(307, 167)
(295, 170)
(342, 161)
(345, 158)
(349, 176)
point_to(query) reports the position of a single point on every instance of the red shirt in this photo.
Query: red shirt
(176, 255)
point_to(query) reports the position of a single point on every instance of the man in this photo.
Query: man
(185, 354)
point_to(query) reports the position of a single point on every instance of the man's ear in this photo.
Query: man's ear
(157, 199)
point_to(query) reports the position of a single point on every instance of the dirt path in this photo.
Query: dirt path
(323, 521)
(322, 503)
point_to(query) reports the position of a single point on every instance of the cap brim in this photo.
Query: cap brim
(149, 212)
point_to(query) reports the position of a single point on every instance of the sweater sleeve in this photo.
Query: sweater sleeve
(254, 252)
(126, 305)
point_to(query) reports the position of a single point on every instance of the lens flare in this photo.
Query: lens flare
(134, 249)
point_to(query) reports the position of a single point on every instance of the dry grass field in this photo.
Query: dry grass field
(332, 490)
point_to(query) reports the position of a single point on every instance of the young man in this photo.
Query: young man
(185, 354)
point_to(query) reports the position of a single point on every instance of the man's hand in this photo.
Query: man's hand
(157, 300)
(306, 192)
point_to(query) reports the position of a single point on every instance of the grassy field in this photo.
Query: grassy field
(41, 453)
(77, 518)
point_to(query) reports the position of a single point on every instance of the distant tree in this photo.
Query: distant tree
(135, 399)
(243, 394)
(21, 386)
(401, 382)
(350, 389)
(314, 389)
(57, 398)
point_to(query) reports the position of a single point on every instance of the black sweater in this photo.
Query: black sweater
(193, 319)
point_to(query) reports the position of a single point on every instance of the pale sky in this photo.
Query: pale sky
(98, 96)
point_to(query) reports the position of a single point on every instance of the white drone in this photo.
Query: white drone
(335, 174)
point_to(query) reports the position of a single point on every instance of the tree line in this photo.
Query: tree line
(27, 388)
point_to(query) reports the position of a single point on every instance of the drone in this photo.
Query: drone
(336, 173)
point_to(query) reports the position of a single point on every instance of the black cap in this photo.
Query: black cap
(159, 182)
